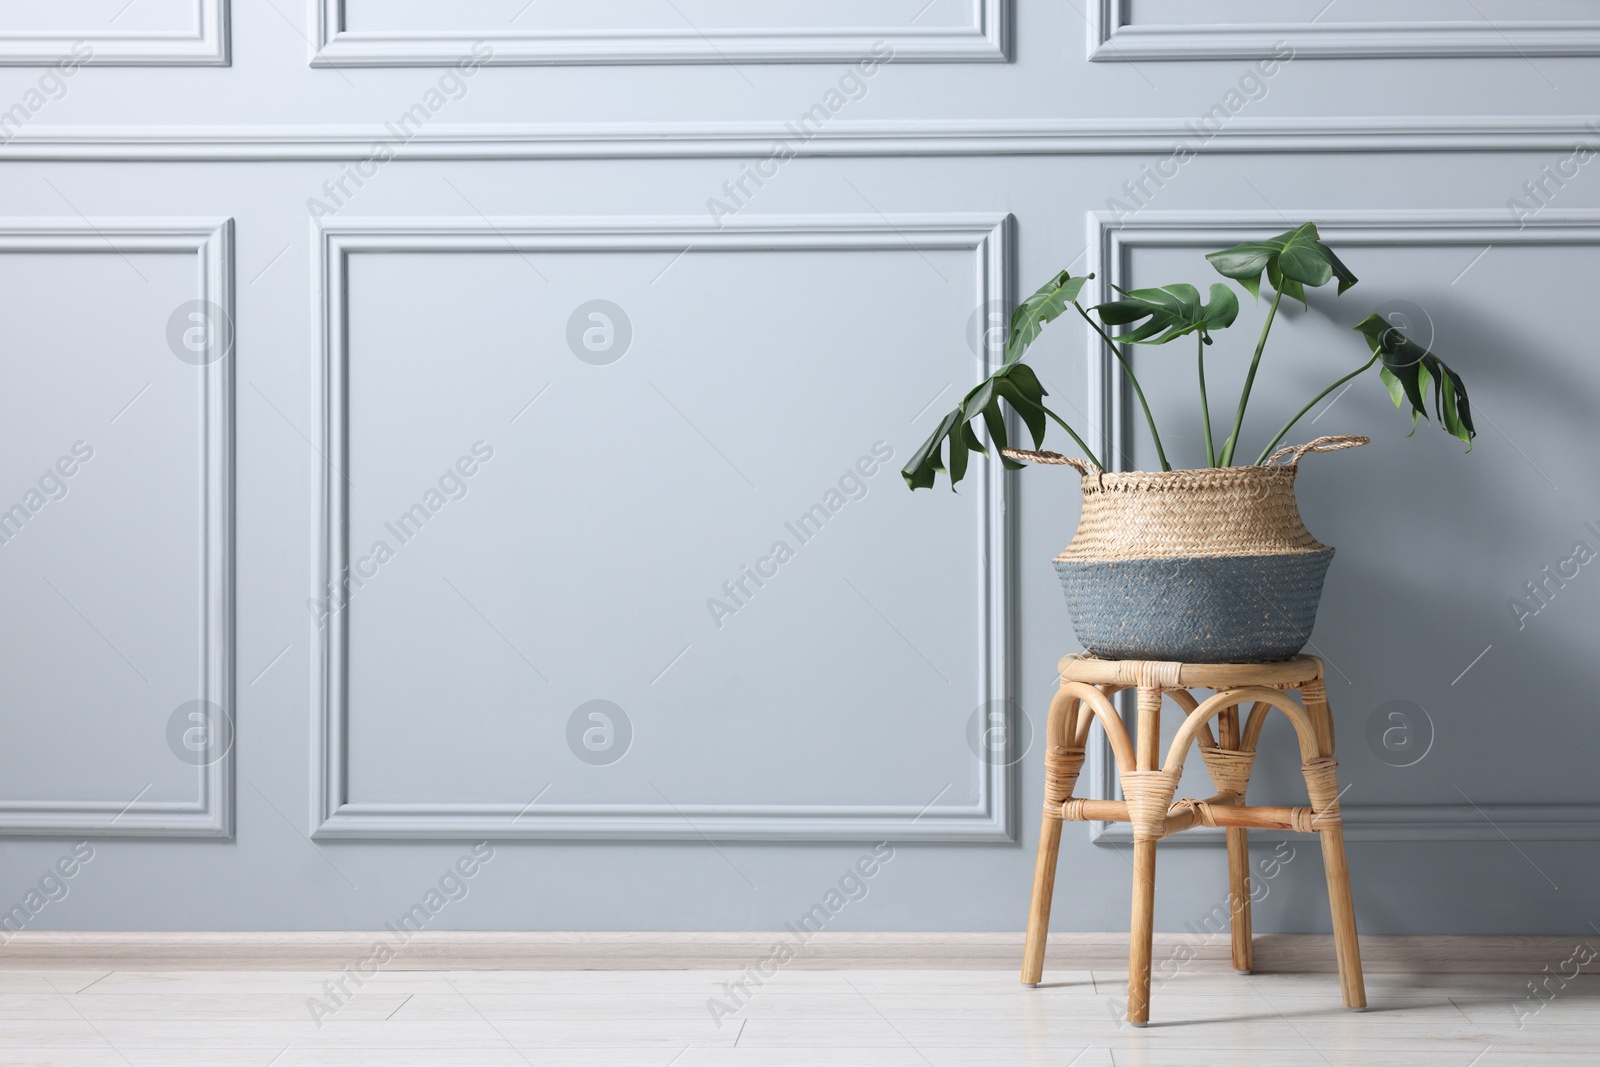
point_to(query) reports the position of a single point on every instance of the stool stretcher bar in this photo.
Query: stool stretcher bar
(1189, 813)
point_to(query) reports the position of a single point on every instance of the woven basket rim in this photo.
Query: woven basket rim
(1180, 561)
(1199, 513)
(1184, 476)
(1253, 468)
(1191, 475)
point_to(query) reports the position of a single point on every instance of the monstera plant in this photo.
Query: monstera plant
(1288, 262)
(1206, 564)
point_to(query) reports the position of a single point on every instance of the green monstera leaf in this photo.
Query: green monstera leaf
(1408, 370)
(1170, 312)
(1014, 384)
(1291, 261)
(1053, 298)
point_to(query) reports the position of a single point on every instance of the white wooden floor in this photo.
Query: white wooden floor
(877, 1018)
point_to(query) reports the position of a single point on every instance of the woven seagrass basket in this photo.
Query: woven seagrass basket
(1208, 566)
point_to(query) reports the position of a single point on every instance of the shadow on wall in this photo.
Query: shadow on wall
(1434, 550)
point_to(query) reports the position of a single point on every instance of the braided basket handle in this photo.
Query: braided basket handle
(1022, 455)
(1321, 444)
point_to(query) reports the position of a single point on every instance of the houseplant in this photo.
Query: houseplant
(1205, 564)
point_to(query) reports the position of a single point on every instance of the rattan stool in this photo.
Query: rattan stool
(1087, 685)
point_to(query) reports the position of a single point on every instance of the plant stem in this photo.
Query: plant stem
(1087, 451)
(1265, 452)
(1250, 380)
(1205, 409)
(1116, 350)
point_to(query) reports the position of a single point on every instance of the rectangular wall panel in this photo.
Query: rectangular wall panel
(1128, 30)
(592, 556)
(117, 711)
(114, 33)
(1115, 244)
(366, 33)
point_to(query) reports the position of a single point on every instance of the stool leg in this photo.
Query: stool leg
(1314, 695)
(1344, 918)
(1044, 884)
(1141, 929)
(1062, 762)
(1238, 861)
(1239, 899)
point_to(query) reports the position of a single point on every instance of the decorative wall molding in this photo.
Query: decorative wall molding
(211, 813)
(984, 41)
(1113, 38)
(992, 818)
(732, 140)
(206, 45)
(1110, 241)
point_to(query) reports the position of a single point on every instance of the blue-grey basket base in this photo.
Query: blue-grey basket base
(1217, 609)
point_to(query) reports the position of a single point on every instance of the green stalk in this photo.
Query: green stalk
(1087, 451)
(1205, 409)
(1116, 350)
(1250, 380)
(1265, 452)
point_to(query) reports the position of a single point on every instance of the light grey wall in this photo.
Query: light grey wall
(416, 337)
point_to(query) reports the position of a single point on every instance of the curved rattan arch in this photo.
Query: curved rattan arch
(1215, 705)
(1110, 721)
(1081, 737)
(1185, 700)
(1061, 721)
(1252, 726)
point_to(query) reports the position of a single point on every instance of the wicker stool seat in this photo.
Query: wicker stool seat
(1149, 785)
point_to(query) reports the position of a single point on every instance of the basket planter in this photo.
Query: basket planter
(1211, 565)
